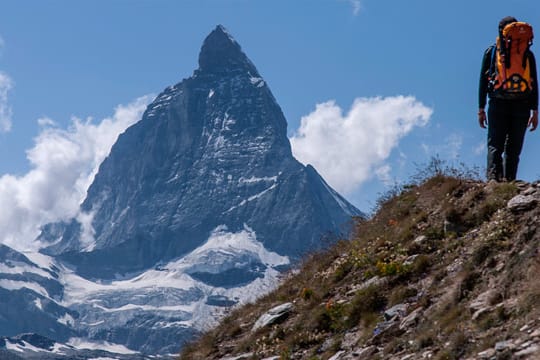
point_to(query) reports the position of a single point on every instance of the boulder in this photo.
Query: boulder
(521, 203)
(274, 315)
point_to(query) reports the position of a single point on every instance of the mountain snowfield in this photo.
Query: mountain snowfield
(168, 295)
(199, 207)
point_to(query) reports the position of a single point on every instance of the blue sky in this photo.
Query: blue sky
(327, 61)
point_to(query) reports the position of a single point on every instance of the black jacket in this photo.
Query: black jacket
(484, 82)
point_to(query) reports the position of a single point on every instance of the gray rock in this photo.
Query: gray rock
(239, 357)
(365, 353)
(338, 355)
(274, 315)
(350, 339)
(411, 319)
(410, 260)
(530, 350)
(504, 345)
(407, 357)
(384, 328)
(521, 203)
(481, 312)
(420, 239)
(486, 354)
(399, 310)
(482, 300)
(374, 281)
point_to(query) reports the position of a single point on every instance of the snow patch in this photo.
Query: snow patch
(66, 320)
(254, 179)
(13, 347)
(18, 285)
(38, 304)
(257, 81)
(254, 197)
(228, 243)
(21, 268)
(22, 347)
(43, 261)
(79, 343)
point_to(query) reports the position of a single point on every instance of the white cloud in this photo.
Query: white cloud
(46, 121)
(453, 144)
(356, 6)
(64, 163)
(348, 149)
(383, 174)
(449, 148)
(5, 110)
(480, 149)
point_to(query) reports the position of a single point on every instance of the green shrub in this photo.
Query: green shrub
(366, 301)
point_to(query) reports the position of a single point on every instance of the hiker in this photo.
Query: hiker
(508, 76)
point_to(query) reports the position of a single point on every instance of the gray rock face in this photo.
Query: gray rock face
(209, 151)
(30, 297)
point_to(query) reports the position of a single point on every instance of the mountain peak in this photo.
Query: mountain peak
(221, 53)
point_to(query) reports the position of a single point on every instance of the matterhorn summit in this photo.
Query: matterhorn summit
(209, 151)
(199, 206)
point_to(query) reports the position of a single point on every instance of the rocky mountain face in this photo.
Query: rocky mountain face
(446, 269)
(198, 207)
(36, 306)
(209, 151)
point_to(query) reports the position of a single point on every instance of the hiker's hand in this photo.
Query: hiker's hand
(482, 119)
(533, 121)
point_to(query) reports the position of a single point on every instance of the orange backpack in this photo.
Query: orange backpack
(510, 72)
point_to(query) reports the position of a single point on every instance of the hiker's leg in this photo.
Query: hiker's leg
(497, 131)
(514, 143)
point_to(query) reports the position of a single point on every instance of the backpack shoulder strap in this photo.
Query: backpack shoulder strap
(493, 50)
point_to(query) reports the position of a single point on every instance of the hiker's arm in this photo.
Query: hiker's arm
(534, 77)
(483, 88)
(533, 121)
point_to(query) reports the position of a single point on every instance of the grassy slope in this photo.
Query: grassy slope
(471, 245)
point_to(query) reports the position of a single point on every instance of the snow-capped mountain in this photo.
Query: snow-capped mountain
(199, 206)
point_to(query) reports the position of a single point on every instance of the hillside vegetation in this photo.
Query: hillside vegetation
(447, 268)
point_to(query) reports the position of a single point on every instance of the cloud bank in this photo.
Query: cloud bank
(5, 110)
(349, 149)
(63, 165)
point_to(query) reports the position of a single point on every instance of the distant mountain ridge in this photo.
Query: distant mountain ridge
(199, 206)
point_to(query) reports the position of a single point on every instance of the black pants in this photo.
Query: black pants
(507, 124)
